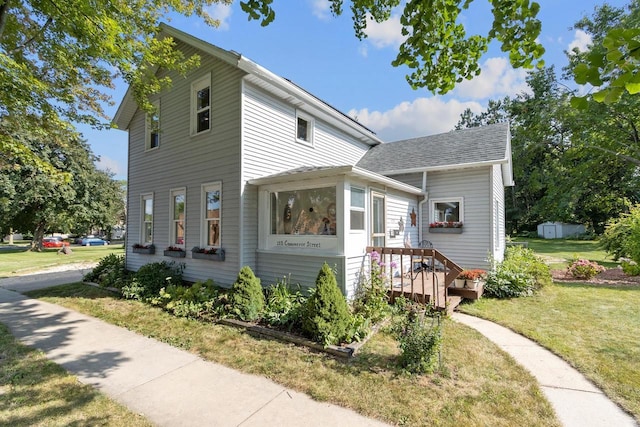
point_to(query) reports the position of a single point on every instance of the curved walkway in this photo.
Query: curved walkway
(575, 399)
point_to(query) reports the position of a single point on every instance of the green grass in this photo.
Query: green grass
(479, 385)
(595, 328)
(14, 262)
(560, 252)
(37, 392)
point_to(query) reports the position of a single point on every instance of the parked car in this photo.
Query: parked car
(54, 242)
(93, 241)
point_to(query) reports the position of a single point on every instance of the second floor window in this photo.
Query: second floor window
(201, 105)
(153, 127)
(304, 128)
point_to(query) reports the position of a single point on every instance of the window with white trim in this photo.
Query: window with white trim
(211, 215)
(177, 215)
(447, 210)
(357, 208)
(304, 128)
(152, 131)
(309, 211)
(146, 207)
(201, 105)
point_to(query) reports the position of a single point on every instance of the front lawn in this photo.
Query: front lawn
(479, 385)
(14, 262)
(596, 328)
(35, 391)
(559, 252)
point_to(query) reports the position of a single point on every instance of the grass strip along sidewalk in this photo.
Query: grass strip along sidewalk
(479, 385)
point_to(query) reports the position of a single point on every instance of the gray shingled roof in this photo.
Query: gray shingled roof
(486, 144)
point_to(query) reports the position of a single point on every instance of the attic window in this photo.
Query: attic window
(201, 105)
(153, 128)
(304, 128)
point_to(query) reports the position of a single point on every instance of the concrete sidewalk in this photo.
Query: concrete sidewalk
(170, 387)
(575, 399)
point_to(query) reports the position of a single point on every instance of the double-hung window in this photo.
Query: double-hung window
(357, 209)
(152, 134)
(211, 215)
(177, 215)
(147, 218)
(201, 105)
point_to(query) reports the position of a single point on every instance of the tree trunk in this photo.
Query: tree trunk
(38, 234)
(4, 12)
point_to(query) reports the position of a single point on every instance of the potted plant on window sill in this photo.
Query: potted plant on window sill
(149, 249)
(212, 254)
(453, 227)
(175, 252)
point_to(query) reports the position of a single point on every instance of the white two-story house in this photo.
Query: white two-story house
(240, 160)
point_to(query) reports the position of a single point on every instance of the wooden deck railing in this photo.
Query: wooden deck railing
(422, 274)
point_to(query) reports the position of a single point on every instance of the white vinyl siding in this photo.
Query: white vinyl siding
(182, 161)
(471, 248)
(268, 146)
(300, 269)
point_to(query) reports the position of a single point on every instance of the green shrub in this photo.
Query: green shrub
(197, 301)
(630, 268)
(326, 316)
(616, 234)
(150, 278)
(110, 272)
(247, 299)
(283, 307)
(520, 274)
(420, 342)
(584, 269)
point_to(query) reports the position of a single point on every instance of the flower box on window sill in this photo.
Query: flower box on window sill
(216, 255)
(144, 249)
(175, 253)
(450, 230)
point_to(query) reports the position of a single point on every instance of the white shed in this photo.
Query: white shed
(559, 230)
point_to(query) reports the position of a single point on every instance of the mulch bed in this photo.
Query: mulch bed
(609, 277)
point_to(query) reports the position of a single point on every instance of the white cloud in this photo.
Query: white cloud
(321, 9)
(386, 33)
(497, 79)
(110, 165)
(423, 116)
(581, 41)
(363, 50)
(221, 12)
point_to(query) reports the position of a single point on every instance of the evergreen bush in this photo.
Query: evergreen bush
(247, 300)
(326, 315)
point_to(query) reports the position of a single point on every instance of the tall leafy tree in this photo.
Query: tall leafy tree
(39, 201)
(611, 64)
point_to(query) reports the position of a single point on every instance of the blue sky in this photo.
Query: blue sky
(319, 52)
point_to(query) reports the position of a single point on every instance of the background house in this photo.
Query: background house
(240, 159)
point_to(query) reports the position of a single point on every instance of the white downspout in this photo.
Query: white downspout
(421, 203)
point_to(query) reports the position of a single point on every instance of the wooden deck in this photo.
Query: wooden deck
(425, 285)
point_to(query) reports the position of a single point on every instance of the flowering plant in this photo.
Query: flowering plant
(472, 274)
(446, 224)
(584, 269)
(143, 246)
(174, 249)
(211, 251)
